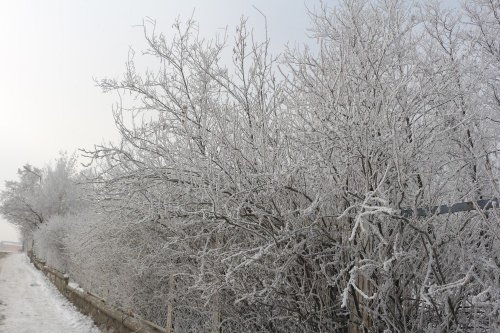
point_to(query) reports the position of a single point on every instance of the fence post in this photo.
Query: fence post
(216, 312)
(168, 328)
(215, 321)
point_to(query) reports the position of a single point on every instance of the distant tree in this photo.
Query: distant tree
(40, 194)
(18, 201)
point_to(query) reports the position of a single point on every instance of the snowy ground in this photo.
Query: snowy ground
(30, 303)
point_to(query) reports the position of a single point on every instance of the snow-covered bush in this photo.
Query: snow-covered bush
(49, 242)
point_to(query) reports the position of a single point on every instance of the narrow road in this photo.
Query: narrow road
(29, 303)
(2, 317)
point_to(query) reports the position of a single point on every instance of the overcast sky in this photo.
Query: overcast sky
(51, 50)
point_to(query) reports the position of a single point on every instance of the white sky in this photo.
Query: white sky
(51, 50)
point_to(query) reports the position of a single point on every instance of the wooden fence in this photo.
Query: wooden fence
(108, 318)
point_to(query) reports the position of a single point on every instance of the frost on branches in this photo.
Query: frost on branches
(265, 195)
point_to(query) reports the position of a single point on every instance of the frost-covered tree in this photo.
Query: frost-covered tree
(19, 205)
(389, 113)
(272, 194)
(278, 197)
(41, 194)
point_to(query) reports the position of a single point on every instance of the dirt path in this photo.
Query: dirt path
(2, 317)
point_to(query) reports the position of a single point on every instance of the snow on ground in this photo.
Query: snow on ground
(30, 303)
